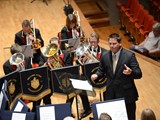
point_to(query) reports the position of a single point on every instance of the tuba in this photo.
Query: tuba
(17, 59)
(83, 54)
(51, 52)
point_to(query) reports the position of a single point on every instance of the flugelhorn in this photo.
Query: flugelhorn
(17, 59)
(51, 52)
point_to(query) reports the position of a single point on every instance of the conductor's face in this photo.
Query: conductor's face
(114, 45)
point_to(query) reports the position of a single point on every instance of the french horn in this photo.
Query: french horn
(51, 52)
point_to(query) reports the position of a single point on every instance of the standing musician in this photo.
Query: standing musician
(9, 67)
(30, 36)
(70, 30)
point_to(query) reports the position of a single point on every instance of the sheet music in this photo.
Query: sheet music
(1, 98)
(18, 116)
(47, 113)
(27, 50)
(18, 107)
(81, 84)
(73, 43)
(116, 109)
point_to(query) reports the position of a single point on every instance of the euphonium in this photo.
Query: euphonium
(83, 54)
(17, 59)
(51, 51)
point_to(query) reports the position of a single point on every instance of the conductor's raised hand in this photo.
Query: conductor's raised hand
(127, 70)
(94, 77)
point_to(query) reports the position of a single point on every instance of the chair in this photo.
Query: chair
(122, 9)
(134, 19)
(139, 23)
(59, 35)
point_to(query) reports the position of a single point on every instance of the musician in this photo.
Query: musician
(70, 30)
(65, 60)
(94, 48)
(26, 37)
(9, 67)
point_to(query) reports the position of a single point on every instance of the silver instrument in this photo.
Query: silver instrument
(17, 59)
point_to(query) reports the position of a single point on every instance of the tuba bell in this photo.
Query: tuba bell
(17, 59)
(83, 54)
(51, 52)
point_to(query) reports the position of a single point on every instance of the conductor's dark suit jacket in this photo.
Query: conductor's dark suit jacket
(120, 85)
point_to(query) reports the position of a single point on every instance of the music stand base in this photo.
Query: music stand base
(43, 1)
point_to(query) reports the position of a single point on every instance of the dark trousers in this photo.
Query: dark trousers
(131, 110)
(85, 101)
(46, 100)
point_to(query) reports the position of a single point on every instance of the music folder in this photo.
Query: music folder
(53, 112)
(20, 106)
(4, 102)
(35, 83)
(10, 115)
(116, 108)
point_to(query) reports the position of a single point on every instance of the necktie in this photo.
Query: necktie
(114, 62)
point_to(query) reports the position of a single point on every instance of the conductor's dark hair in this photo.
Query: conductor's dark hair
(68, 9)
(116, 36)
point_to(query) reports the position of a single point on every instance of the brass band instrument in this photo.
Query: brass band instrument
(76, 13)
(83, 54)
(17, 60)
(51, 51)
(36, 43)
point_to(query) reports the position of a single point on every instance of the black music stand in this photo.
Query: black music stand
(35, 83)
(75, 88)
(91, 68)
(43, 1)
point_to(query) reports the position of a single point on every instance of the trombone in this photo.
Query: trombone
(36, 43)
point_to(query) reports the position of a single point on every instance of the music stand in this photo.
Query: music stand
(78, 82)
(73, 43)
(116, 108)
(43, 1)
(100, 84)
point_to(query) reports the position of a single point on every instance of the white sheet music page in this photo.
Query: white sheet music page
(1, 99)
(18, 116)
(47, 113)
(81, 84)
(18, 107)
(116, 109)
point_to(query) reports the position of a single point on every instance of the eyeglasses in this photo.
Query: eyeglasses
(93, 41)
(112, 44)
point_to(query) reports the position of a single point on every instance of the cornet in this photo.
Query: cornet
(17, 59)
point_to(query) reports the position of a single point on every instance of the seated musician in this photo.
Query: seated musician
(70, 30)
(26, 37)
(10, 65)
(94, 48)
(151, 45)
(64, 59)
